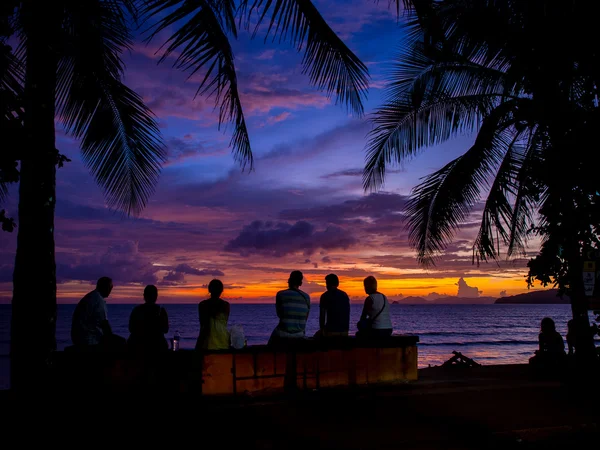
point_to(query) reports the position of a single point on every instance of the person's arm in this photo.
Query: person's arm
(322, 312)
(368, 306)
(278, 306)
(132, 321)
(103, 317)
(308, 306)
(164, 320)
(227, 310)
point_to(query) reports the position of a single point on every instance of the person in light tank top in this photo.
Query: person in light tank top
(377, 310)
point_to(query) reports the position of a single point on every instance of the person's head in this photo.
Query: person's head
(548, 325)
(215, 287)
(295, 280)
(370, 285)
(150, 294)
(332, 281)
(571, 325)
(104, 286)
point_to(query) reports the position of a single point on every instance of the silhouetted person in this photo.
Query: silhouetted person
(292, 306)
(334, 309)
(375, 320)
(551, 350)
(148, 324)
(213, 314)
(90, 328)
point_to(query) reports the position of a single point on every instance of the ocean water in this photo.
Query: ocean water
(490, 334)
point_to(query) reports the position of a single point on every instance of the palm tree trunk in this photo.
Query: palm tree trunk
(34, 280)
(586, 351)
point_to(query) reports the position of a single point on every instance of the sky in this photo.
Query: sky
(302, 208)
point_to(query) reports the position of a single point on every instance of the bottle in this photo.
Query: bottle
(176, 338)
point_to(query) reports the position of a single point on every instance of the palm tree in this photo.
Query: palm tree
(69, 66)
(69, 62)
(500, 70)
(201, 40)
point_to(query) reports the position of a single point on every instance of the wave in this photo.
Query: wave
(466, 344)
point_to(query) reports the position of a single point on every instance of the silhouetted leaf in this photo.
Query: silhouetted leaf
(121, 141)
(201, 42)
(329, 63)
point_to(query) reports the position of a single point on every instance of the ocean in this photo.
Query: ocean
(490, 334)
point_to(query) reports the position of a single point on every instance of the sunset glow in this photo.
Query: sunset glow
(303, 208)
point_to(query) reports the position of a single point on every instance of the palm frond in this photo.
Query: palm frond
(528, 194)
(430, 99)
(443, 201)
(123, 148)
(121, 142)
(497, 212)
(401, 130)
(331, 66)
(11, 117)
(202, 43)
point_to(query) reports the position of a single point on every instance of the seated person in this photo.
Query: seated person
(551, 345)
(213, 314)
(375, 320)
(90, 329)
(148, 324)
(334, 309)
(292, 306)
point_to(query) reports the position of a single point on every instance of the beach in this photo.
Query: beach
(495, 407)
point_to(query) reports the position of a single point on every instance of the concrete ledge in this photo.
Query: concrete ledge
(256, 370)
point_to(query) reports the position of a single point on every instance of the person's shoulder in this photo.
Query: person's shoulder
(303, 294)
(343, 294)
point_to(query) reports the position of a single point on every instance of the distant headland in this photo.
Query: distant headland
(547, 297)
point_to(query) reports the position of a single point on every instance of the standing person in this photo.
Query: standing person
(90, 329)
(292, 306)
(375, 320)
(213, 314)
(148, 324)
(334, 309)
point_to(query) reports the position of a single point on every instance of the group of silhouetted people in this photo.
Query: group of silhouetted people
(149, 322)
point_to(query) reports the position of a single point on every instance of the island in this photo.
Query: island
(547, 297)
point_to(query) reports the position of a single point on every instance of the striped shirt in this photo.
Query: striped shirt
(292, 306)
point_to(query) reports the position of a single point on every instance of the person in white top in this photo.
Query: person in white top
(375, 320)
(90, 323)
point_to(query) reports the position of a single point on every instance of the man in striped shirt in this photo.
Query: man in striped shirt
(293, 306)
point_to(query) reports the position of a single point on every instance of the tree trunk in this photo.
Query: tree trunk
(586, 351)
(33, 324)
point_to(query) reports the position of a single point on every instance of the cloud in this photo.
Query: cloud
(187, 147)
(266, 55)
(173, 279)
(503, 294)
(355, 173)
(374, 207)
(466, 291)
(189, 270)
(124, 263)
(326, 260)
(272, 120)
(281, 239)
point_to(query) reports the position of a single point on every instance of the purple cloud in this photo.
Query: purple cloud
(173, 279)
(124, 263)
(189, 270)
(283, 238)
